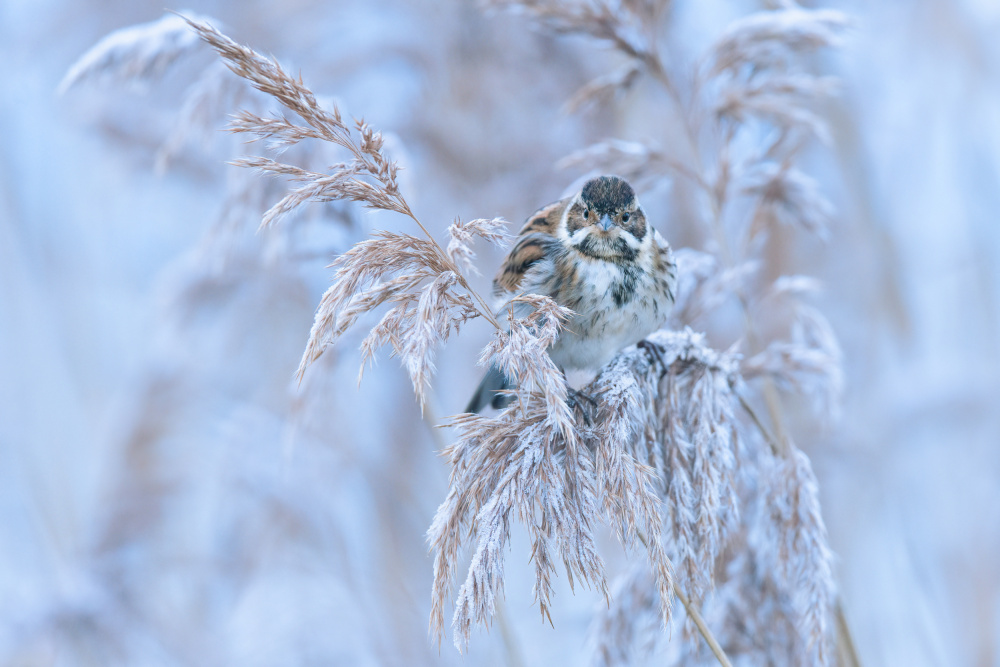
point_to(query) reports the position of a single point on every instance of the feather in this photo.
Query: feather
(489, 392)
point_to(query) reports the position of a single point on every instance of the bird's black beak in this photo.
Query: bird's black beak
(606, 222)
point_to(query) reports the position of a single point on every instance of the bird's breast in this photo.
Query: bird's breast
(616, 305)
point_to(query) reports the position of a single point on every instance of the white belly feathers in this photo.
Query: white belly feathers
(616, 307)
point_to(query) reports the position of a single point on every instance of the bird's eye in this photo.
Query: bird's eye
(586, 213)
(625, 217)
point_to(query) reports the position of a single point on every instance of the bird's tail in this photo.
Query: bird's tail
(489, 392)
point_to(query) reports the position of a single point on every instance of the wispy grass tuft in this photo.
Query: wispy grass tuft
(136, 54)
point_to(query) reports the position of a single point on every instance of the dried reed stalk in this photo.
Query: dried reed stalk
(417, 275)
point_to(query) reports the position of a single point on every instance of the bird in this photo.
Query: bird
(596, 254)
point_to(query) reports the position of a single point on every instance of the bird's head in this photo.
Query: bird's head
(605, 220)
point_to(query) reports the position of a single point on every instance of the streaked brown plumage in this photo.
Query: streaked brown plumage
(596, 254)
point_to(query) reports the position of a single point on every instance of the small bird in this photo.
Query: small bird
(596, 254)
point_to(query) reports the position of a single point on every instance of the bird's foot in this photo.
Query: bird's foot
(654, 351)
(582, 403)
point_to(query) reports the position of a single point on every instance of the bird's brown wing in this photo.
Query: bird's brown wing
(546, 219)
(666, 265)
(536, 235)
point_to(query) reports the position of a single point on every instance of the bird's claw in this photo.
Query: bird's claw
(654, 351)
(576, 400)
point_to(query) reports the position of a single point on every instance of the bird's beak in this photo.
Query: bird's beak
(606, 222)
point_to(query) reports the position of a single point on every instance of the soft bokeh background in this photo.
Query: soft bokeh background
(167, 497)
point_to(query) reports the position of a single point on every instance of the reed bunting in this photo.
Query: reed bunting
(596, 254)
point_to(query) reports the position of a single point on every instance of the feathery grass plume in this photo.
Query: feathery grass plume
(521, 353)
(758, 61)
(521, 463)
(135, 54)
(603, 89)
(776, 39)
(640, 163)
(430, 296)
(617, 23)
(810, 362)
(755, 93)
(789, 195)
(527, 460)
(694, 404)
(462, 234)
(418, 276)
(412, 274)
(706, 287)
(346, 181)
(804, 554)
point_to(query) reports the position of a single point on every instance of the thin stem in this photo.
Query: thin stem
(760, 426)
(688, 173)
(510, 643)
(484, 308)
(429, 414)
(849, 652)
(702, 628)
(693, 614)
